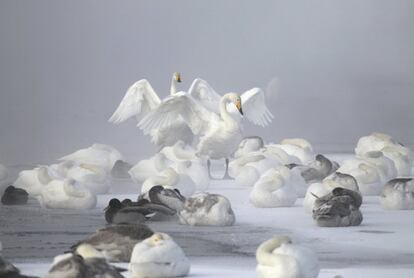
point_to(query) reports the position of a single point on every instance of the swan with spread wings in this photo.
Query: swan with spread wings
(139, 100)
(213, 118)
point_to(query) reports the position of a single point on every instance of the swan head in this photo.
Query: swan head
(158, 239)
(235, 99)
(177, 77)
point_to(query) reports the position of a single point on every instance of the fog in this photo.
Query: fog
(333, 70)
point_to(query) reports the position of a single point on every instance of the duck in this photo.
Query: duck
(249, 144)
(205, 209)
(117, 242)
(128, 212)
(33, 180)
(278, 257)
(105, 156)
(340, 208)
(319, 189)
(14, 196)
(398, 194)
(8, 270)
(274, 189)
(158, 256)
(66, 194)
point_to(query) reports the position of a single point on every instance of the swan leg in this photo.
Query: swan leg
(209, 169)
(226, 174)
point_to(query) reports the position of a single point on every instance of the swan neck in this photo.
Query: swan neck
(173, 88)
(265, 255)
(223, 110)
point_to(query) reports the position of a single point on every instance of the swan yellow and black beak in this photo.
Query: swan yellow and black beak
(239, 106)
(178, 77)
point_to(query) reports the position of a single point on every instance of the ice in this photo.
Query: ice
(382, 246)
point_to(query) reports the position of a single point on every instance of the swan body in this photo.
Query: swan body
(139, 100)
(249, 144)
(33, 180)
(323, 188)
(299, 148)
(339, 208)
(247, 177)
(402, 161)
(101, 155)
(274, 189)
(117, 242)
(279, 258)
(398, 194)
(158, 256)
(171, 179)
(317, 170)
(148, 167)
(205, 209)
(66, 194)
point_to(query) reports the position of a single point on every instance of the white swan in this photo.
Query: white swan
(297, 147)
(102, 155)
(169, 178)
(249, 144)
(274, 189)
(158, 256)
(66, 194)
(323, 188)
(139, 100)
(217, 126)
(279, 258)
(398, 194)
(148, 167)
(33, 180)
(205, 209)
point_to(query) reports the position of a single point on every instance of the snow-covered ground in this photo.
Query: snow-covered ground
(382, 246)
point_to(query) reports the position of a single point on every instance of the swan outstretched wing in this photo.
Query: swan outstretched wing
(201, 91)
(139, 99)
(254, 107)
(180, 106)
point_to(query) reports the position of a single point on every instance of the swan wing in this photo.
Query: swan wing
(201, 91)
(139, 99)
(180, 106)
(254, 107)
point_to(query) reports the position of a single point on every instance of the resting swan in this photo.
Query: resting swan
(398, 194)
(139, 100)
(214, 118)
(33, 180)
(158, 256)
(279, 258)
(274, 189)
(66, 194)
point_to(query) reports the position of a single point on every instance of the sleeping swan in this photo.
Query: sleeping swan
(158, 256)
(279, 258)
(398, 194)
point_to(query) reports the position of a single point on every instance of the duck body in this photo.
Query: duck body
(279, 258)
(339, 208)
(274, 189)
(205, 209)
(158, 256)
(14, 196)
(398, 194)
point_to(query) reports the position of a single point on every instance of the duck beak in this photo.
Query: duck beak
(239, 107)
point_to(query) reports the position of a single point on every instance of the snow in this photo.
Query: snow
(382, 246)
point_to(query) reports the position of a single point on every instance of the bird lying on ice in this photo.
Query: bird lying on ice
(398, 194)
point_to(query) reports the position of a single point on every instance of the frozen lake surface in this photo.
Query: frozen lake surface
(382, 246)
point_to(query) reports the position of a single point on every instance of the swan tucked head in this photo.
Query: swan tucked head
(158, 239)
(88, 251)
(177, 76)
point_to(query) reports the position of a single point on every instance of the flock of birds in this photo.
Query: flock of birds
(190, 128)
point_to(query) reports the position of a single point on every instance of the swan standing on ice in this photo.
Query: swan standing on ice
(340, 208)
(398, 194)
(158, 256)
(66, 194)
(139, 100)
(279, 258)
(117, 242)
(274, 189)
(210, 116)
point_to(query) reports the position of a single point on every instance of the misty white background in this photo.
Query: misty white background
(335, 70)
